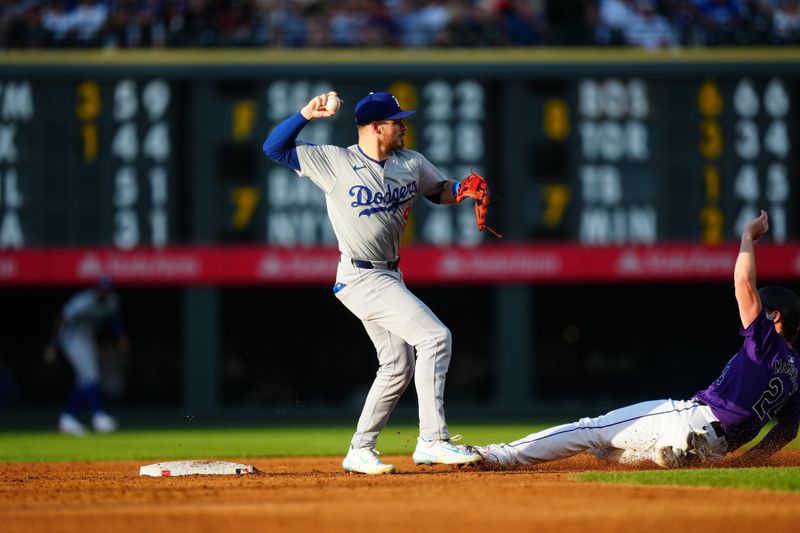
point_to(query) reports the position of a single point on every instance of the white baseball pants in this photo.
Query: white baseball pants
(398, 324)
(628, 434)
(81, 351)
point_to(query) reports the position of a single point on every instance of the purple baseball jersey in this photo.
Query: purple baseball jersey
(758, 384)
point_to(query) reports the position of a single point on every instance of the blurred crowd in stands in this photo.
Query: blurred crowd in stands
(397, 23)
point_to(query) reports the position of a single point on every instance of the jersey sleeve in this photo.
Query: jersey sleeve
(319, 164)
(77, 306)
(760, 338)
(280, 144)
(431, 179)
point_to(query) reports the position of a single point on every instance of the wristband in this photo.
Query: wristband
(455, 186)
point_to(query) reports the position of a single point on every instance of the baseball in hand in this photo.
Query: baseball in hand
(333, 103)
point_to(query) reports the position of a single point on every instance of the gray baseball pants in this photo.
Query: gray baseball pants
(398, 324)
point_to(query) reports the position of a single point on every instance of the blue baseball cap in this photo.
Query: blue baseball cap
(379, 106)
(105, 281)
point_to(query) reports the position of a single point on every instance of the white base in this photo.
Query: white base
(192, 468)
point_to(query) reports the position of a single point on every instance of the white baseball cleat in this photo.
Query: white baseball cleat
(445, 452)
(495, 454)
(366, 461)
(103, 423)
(69, 425)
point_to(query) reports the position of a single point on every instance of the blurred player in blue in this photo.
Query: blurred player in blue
(75, 334)
(757, 385)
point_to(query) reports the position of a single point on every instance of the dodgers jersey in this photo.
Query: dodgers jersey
(368, 203)
(757, 384)
(84, 312)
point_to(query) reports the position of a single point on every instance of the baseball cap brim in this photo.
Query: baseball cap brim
(401, 115)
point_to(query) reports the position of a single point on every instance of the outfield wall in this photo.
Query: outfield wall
(621, 180)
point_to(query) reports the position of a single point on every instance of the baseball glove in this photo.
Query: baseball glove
(475, 187)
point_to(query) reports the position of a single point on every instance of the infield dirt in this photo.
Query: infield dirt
(313, 494)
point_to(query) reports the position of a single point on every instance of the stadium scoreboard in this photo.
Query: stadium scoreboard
(644, 160)
(132, 155)
(87, 162)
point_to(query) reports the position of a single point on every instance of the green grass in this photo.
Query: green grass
(218, 443)
(229, 443)
(767, 478)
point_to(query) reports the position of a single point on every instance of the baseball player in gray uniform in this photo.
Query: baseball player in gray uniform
(757, 385)
(369, 189)
(74, 334)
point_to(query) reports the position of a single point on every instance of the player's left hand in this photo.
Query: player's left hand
(315, 108)
(758, 227)
(474, 186)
